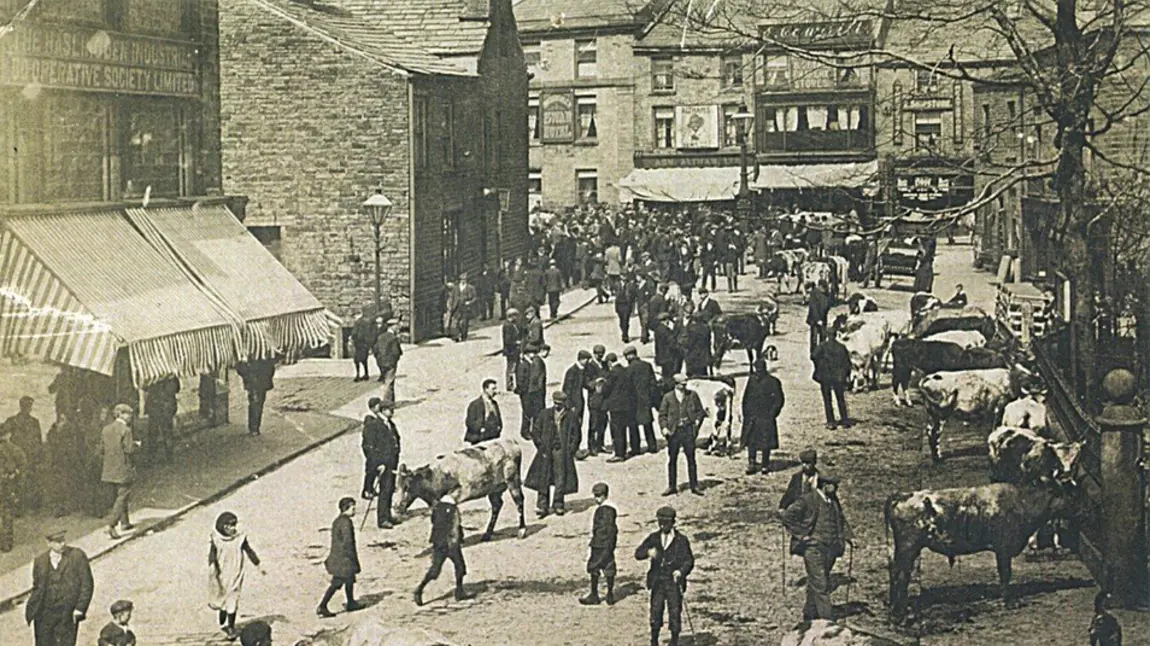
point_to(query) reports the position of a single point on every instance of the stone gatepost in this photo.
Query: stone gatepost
(1123, 493)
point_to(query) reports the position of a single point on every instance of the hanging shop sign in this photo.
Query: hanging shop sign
(74, 58)
(558, 117)
(698, 126)
(838, 34)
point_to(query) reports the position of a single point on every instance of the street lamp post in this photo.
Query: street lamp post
(378, 206)
(744, 118)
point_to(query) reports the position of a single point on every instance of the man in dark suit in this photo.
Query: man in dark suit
(461, 303)
(372, 444)
(625, 297)
(802, 481)
(647, 397)
(619, 400)
(389, 462)
(259, 377)
(342, 561)
(574, 380)
(484, 421)
(446, 545)
(763, 400)
(61, 591)
(644, 292)
(387, 355)
(818, 307)
(832, 372)
(671, 563)
(511, 346)
(708, 309)
(531, 386)
(680, 415)
(555, 438)
(668, 355)
(363, 335)
(655, 306)
(819, 533)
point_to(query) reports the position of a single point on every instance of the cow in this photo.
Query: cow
(966, 394)
(747, 330)
(712, 437)
(814, 272)
(921, 303)
(1021, 456)
(965, 339)
(485, 469)
(1028, 411)
(944, 320)
(786, 264)
(866, 338)
(860, 302)
(909, 355)
(840, 274)
(998, 517)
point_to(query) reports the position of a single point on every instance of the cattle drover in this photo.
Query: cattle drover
(819, 533)
(671, 562)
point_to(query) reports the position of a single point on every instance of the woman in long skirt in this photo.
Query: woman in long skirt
(229, 551)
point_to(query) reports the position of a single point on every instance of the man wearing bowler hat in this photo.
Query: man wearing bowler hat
(671, 562)
(556, 436)
(680, 415)
(61, 591)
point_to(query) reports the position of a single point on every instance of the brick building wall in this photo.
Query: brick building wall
(308, 137)
(611, 153)
(209, 166)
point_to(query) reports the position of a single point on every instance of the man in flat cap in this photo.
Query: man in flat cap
(802, 481)
(531, 386)
(61, 591)
(574, 380)
(387, 355)
(116, 632)
(671, 562)
(819, 533)
(119, 445)
(680, 414)
(512, 335)
(604, 534)
(555, 436)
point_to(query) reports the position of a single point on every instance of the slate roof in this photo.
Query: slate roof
(534, 16)
(438, 26)
(377, 41)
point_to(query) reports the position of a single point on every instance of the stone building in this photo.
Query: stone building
(582, 106)
(422, 100)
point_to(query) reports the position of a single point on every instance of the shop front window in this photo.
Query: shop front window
(153, 142)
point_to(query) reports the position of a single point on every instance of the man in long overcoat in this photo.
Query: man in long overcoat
(763, 399)
(363, 335)
(668, 355)
(647, 398)
(61, 591)
(556, 436)
(258, 376)
(574, 381)
(619, 400)
(697, 346)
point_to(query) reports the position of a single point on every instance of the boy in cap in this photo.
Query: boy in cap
(117, 633)
(604, 533)
(671, 562)
(446, 545)
(342, 561)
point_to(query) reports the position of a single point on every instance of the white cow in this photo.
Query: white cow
(717, 437)
(965, 339)
(1026, 412)
(842, 270)
(1021, 456)
(866, 341)
(967, 394)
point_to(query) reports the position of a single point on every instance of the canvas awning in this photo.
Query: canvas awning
(679, 185)
(803, 176)
(182, 289)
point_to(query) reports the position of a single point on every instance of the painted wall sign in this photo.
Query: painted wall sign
(837, 33)
(85, 59)
(698, 126)
(929, 103)
(558, 116)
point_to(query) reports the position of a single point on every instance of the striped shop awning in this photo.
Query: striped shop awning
(79, 286)
(280, 316)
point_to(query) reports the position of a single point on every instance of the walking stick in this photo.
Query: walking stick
(850, 570)
(687, 611)
(366, 513)
(783, 552)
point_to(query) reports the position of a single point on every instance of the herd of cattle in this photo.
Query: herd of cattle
(966, 370)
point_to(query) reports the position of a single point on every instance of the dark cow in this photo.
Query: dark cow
(747, 330)
(921, 303)
(909, 355)
(997, 518)
(945, 320)
(485, 469)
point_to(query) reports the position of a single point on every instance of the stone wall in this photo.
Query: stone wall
(309, 132)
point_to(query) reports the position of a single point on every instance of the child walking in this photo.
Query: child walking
(604, 533)
(446, 545)
(343, 560)
(117, 633)
(227, 555)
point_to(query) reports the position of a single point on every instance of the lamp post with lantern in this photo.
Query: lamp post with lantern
(377, 206)
(744, 119)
